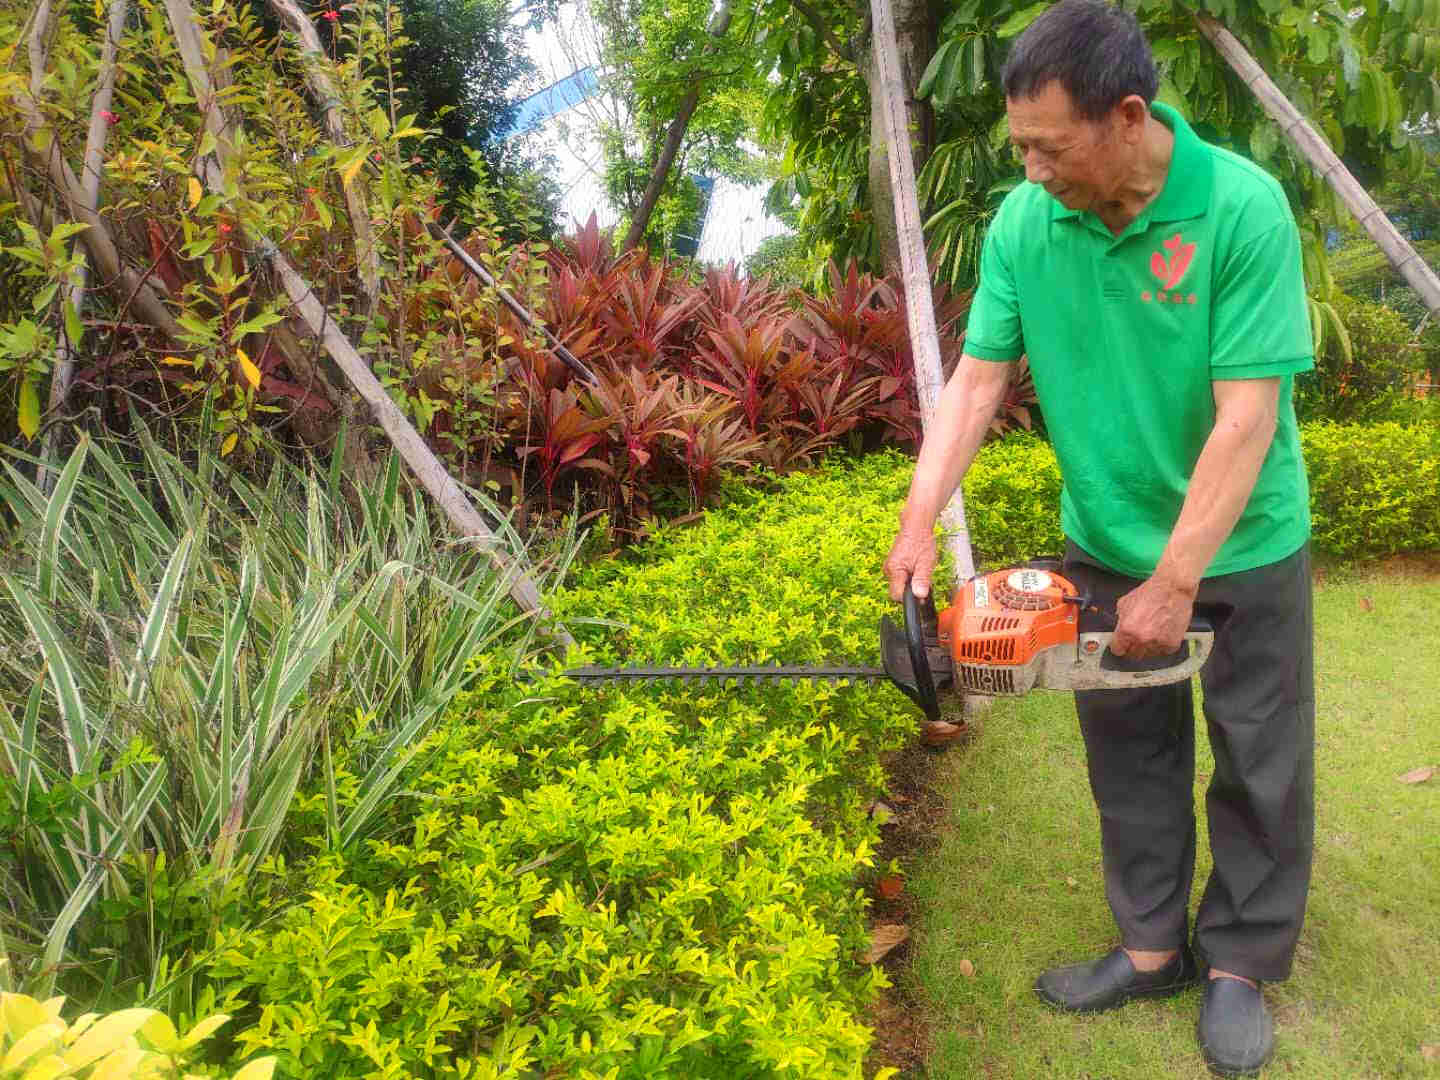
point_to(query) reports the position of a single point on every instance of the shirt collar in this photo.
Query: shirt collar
(1186, 193)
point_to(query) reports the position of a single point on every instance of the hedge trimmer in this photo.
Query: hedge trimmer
(1006, 633)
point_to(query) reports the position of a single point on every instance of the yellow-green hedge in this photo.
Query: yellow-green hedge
(1374, 491)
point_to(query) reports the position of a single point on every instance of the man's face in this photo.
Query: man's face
(1077, 161)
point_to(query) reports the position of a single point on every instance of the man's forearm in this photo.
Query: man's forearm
(1220, 486)
(967, 405)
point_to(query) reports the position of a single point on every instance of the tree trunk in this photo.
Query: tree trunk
(915, 39)
(73, 292)
(719, 24)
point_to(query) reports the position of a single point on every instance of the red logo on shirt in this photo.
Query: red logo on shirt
(1171, 270)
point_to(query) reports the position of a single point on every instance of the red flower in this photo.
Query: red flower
(333, 16)
(109, 117)
(226, 227)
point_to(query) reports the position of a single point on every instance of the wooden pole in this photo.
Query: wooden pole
(413, 449)
(914, 267)
(322, 89)
(1404, 258)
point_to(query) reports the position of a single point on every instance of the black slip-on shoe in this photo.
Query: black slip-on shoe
(1235, 1032)
(1112, 981)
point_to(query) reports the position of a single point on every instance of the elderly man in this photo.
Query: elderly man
(1155, 283)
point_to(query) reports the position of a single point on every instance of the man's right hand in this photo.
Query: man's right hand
(912, 558)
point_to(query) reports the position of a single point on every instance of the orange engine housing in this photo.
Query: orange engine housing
(1006, 618)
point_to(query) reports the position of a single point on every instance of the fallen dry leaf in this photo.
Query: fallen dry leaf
(883, 939)
(967, 968)
(1430, 1053)
(1420, 775)
(1366, 604)
(890, 886)
(880, 811)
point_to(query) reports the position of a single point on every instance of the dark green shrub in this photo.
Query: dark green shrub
(1376, 376)
(1012, 501)
(1374, 488)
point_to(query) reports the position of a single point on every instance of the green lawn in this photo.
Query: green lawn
(1014, 885)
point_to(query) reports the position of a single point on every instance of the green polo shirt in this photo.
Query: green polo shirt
(1125, 335)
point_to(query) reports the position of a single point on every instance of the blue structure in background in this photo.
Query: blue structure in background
(570, 91)
(686, 241)
(730, 219)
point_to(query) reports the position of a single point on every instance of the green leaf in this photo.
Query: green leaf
(1264, 138)
(933, 69)
(47, 563)
(74, 329)
(44, 296)
(65, 231)
(75, 721)
(1021, 19)
(152, 634)
(255, 325)
(84, 893)
(27, 416)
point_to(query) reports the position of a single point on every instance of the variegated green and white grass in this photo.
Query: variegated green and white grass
(177, 644)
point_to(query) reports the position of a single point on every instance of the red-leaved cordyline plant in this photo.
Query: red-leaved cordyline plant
(590, 250)
(651, 322)
(561, 437)
(691, 380)
(639, 408)
(727, 293)
(710, 439)
(1019, 399)
(740, 361)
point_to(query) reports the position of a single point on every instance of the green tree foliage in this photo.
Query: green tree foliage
(655, 53)
(1365, 75)
(460, 62)
(1365, 374)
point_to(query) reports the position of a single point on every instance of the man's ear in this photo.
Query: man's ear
(1129, 117)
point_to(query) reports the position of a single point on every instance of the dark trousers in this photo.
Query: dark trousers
(1259, 704)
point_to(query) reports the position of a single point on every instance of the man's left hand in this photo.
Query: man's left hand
(1153, 618)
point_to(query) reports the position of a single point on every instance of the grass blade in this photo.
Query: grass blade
(152, 634)
(90, 884)
(47, 563)
(75, 724)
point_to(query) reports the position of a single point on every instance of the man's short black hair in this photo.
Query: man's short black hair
(1097, 53)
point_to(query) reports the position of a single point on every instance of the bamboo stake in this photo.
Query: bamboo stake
(322, 89)
(412, 448)
(566, 356)
(407, 441)
(1404, 258)
(97, 239)
(914, 268)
